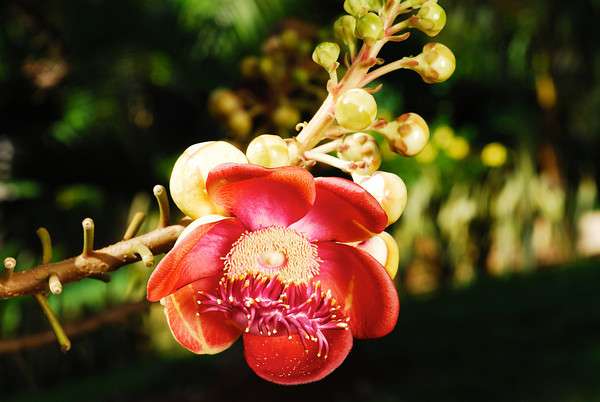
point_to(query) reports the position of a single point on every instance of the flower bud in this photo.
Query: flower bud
(357, 8)
(369, 28)
(362, 149)
(249, 67)
(389, 190)
(223, 102)
(240, 123)
(384, 248)
(430, 19)
(436, 64)
(344, 28)
(286, 116)
(407, 135)
(494, 154)
(326, 55)
(356, 109)
(268, 151)
(188, 178)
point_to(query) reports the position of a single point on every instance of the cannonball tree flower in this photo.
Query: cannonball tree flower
(279, 272)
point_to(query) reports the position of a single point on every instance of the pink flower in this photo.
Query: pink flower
(278, 273)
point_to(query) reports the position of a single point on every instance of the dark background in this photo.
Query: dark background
(97, 99)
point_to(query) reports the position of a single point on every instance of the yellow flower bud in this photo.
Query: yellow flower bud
(356, 109)
(326, 55)
(361, 149)
(494, 154)
(268, 151)
(240, 123)
(384, 248)
(407, 135)
(286, 116)
(188, 178)
(369, 28)
(430, 19)
(436, 64)
(223, 102)
(389, 190)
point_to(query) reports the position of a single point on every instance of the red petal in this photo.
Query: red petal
(343, 211)
(261, 197)
(363, 286)
(203, 333)
(284, 361)
(198, 255)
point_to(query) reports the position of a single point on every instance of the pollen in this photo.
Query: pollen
(273, 252)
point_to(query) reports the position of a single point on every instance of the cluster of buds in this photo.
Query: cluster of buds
(277, 88)
(340, 133)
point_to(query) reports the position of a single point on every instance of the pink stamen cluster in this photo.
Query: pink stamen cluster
(265, 305)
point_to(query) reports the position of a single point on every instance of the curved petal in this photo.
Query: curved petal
(285, 361)
(363, 287)
(198, 255)
(343, 211)
(202, 333)
(261, 197)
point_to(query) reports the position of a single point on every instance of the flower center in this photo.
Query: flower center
(264, 306)
(273, 252)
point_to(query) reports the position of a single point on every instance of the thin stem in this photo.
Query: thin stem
(328, 160)
(328, 147)
(144, 253)
(9, 265)
(401, 26)
(61, 336)
(46, 241)
(396, 65)
(160, 193)
(134, 225)
(88, 237)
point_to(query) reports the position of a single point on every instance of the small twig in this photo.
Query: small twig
(9, 265)
(144, 252)
(88, 237)
(61, 337)
(134, 225)
(73, 330)
(46, 241)
(54, 285)
(163, 205)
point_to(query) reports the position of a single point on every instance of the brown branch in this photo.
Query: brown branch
(114, 315)
(93, 264)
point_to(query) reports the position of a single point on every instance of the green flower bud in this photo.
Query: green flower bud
(376, 5)
(356, 109)
(268, 151)
(430, 19)
(407, 135)
(436, 64)
(249, 67)
(326, 55)
(369, 28)
(344, 28)
(361, 149)
(357, 8)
